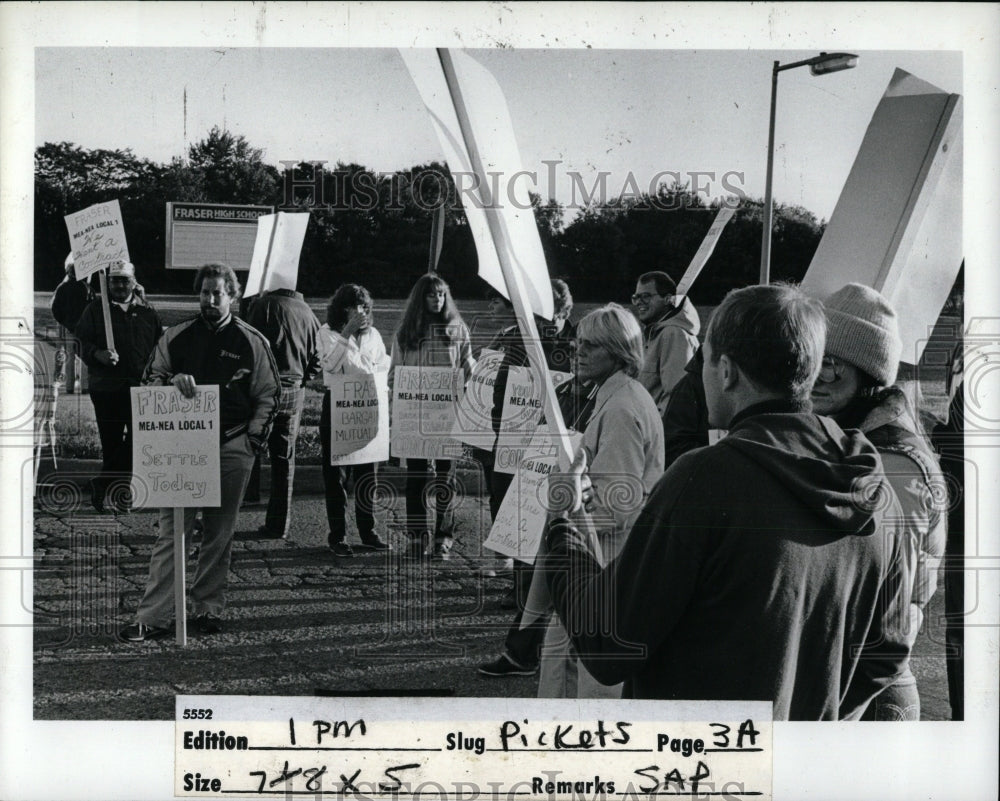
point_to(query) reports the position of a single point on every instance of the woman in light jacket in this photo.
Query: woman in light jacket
(624, 444)
(431, 334)
(855, 387)
(349, 343)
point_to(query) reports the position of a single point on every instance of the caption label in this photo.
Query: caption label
(361, 748)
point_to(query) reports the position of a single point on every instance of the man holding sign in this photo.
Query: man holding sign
(114, 370)
(213, 348)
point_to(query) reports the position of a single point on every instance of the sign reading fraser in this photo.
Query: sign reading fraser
(199, 233)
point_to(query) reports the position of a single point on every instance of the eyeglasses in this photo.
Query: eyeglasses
(832, 369)
(645, 297)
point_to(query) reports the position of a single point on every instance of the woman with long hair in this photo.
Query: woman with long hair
(349, 343)
(431, 334)
(623, 439)
(855, 387)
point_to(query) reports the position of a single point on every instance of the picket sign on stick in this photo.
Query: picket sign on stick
(486, 94)
(705, 250)
(176, 463)
(97, 239)
(276, 252)
(106, 309)
(437, 238)
(180, 577)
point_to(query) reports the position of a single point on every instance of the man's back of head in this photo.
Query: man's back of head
(762, 343)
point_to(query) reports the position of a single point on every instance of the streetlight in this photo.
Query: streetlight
(822, 64)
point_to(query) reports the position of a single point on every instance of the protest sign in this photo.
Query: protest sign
(474, 413)
(520, 521)
(359, 418)
(522, 408)
(276, 251)
(424, 400)
(894, 226)
(175, 447)
(97, 237)
(705, 250)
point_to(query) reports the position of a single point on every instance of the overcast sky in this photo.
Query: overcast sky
(620, 111)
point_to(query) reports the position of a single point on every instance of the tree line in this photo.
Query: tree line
(375, 228)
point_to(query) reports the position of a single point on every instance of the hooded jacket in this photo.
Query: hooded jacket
(753, 572)
(670, 342)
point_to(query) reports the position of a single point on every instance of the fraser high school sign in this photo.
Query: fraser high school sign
(198, 233)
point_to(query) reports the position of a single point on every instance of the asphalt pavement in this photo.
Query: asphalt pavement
(299, 622)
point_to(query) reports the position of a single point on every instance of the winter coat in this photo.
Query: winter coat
(755, 570)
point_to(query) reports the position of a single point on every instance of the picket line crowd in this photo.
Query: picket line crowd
(789, 561)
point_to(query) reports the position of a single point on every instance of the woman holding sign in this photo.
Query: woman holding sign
(349, 345)
(430, 335)
(624, 444)
(855, 388)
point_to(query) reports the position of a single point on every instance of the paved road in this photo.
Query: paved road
(299, 622)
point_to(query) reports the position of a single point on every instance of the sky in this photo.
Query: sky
(638, 111)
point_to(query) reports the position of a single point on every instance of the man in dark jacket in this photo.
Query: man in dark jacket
(136, 328)
(213, 348)
(290, 327)
(68, 302)
(765, 567)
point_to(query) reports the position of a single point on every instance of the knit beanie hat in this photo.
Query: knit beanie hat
(861, 329)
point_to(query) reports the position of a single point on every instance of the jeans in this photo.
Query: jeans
(208, 590)
(428, 481)
(281, 451)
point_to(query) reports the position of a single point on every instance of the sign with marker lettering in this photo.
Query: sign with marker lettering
(97, 237)
(240, 746)
(474, 413)
(522, 407)
(424, 400)
(520, 521)
(359, 418)
(175, 447)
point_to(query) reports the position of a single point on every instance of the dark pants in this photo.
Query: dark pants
(281, 452)
(113, 410)
(522, 644)
(335, 478)
(426, 482)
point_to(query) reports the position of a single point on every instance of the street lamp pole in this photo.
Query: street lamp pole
(822, 64)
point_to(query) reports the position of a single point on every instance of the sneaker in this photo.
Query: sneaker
(442, 548)
(342, 549)
(505, 666)
(205, 624)
(373, 542)
(140, 632)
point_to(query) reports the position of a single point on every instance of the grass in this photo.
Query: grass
(77, 431)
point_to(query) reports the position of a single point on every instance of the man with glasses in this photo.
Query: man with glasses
(670, 334)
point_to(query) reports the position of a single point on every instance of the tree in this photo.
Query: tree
(231, 171)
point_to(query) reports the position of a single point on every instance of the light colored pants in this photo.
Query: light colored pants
(208, 590)
(562, 674)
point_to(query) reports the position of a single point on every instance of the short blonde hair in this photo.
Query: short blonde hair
(616, 329)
